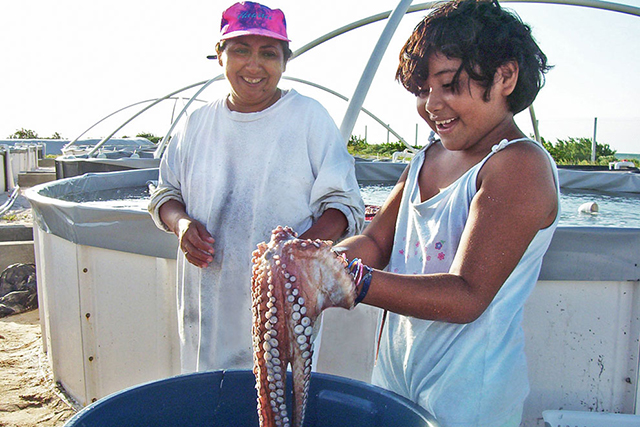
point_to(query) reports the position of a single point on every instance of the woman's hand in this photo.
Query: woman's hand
(195, 241)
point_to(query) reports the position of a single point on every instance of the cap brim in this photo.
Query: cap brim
(254, 32)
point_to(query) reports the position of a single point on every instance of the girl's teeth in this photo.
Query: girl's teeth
(445, 122)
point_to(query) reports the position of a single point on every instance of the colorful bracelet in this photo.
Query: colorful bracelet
(366, 281)
(361, 274)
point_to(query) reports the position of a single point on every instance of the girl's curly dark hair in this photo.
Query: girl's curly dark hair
(483, 36)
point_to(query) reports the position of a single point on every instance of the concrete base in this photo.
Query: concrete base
(13, 233)
(35, 177)
(47, 162)
(16, 245)
(16, 253)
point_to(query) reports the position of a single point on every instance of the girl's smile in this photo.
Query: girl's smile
(459, 112)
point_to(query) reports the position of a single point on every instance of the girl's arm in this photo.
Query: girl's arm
(374, 245)
(516, 198)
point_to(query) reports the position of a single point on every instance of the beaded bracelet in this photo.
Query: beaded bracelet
(366, 281)
(361, 274)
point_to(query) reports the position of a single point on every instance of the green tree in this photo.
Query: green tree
(32, 134)
(151, 137)
(576, 151)
(24, 134)
(357, 146)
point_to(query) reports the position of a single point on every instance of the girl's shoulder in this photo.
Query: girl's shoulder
(521, 169)
(520, 154)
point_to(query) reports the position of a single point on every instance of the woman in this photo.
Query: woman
(259, 158)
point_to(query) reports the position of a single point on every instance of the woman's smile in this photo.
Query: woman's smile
(253, 66)
(252, 81)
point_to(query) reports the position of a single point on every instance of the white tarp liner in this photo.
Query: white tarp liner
(576, 253)
(574, 178)
(605, 181)
(114, 228)
(107, 277)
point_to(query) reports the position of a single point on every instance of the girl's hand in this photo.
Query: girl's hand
(195, 241)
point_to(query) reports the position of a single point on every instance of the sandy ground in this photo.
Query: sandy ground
(28, 394)
(19, 213)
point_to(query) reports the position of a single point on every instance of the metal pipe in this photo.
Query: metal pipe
(597, 4)
(364, 110)
(534, 122)
(593, 143)
(9, 202)
(350, 117)
(616, 7)
(102, 142)
(116, 112)
(160, 148)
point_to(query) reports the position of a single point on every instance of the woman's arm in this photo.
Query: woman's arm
(330, 226)
(194, 239)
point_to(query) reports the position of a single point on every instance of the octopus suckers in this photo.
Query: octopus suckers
(287, 299)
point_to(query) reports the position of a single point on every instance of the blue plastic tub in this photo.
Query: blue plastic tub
(228, 399)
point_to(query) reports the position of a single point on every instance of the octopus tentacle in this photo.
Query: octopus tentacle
(293, 281)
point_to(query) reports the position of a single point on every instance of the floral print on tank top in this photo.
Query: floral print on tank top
(423, 253)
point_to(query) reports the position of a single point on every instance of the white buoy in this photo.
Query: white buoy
(589, 208)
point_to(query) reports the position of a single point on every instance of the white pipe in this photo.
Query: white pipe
(157, 101)
(350, 117)
(615, 7)
(12, 198)
(114, 113)
(364, 110)
(160, 148)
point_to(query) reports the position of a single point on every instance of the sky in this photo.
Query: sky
(67, 64)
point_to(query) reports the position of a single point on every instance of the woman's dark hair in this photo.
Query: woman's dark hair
(221, 46)
(483, 36)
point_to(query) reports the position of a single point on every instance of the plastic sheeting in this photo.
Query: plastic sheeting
(372, 172)
(593, 254)
(120, 229)
(70, 167)
(576, 253)
(605, 181)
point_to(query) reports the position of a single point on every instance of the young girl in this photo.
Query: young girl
(462, 235)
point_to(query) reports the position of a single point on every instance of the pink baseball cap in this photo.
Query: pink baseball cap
(249, 18)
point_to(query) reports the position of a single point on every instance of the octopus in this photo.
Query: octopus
(293, 281)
